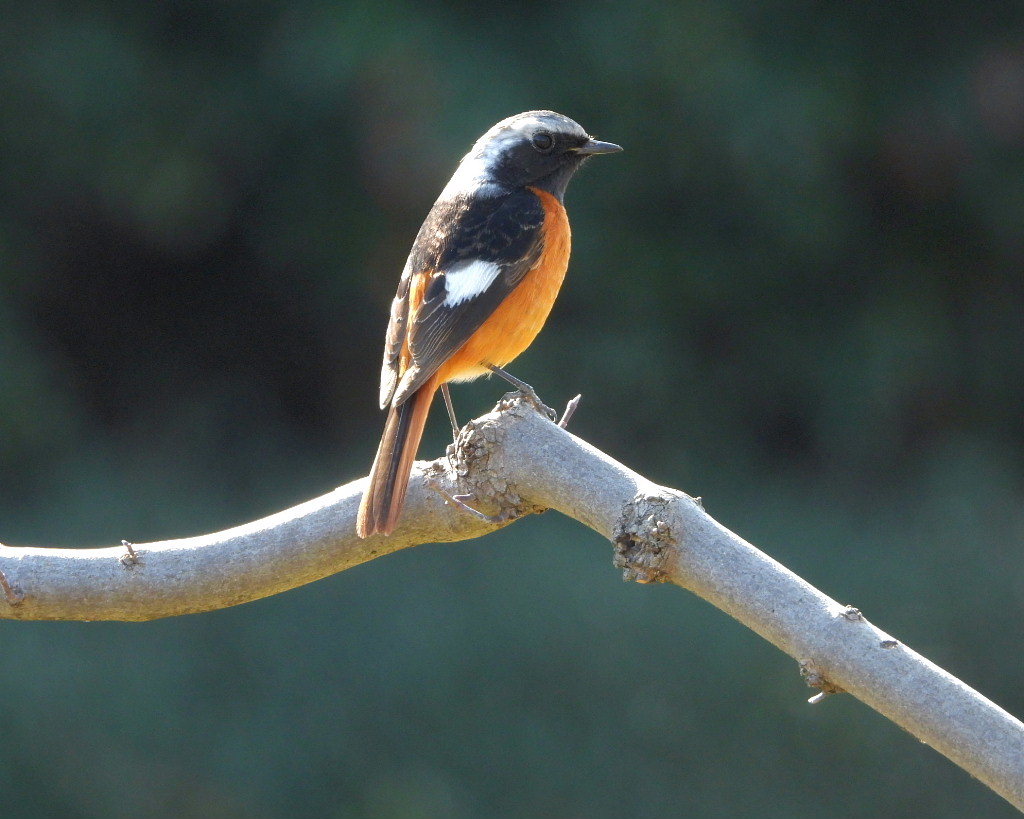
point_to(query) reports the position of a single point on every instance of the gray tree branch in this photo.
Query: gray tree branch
(515, 462)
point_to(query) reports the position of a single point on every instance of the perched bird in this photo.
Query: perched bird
(479, 283)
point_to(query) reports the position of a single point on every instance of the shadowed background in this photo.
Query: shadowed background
(798, 294)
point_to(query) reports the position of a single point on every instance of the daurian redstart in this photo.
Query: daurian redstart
(480, 281)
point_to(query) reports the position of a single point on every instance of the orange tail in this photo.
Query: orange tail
(389, 478)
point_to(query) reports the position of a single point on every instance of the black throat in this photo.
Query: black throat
(557, 181)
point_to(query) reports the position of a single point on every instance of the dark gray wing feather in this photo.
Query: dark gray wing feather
(501, 227)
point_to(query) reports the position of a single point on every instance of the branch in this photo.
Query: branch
(514, 462)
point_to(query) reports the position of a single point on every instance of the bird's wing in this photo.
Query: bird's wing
(469, 255)
(394, 340)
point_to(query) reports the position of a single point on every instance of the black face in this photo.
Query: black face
(539, 157)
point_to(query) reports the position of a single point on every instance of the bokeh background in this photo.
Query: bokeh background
(798, 293)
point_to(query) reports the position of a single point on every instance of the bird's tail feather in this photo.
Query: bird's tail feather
(389, 478)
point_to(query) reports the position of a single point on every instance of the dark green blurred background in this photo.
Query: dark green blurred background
(798, 294)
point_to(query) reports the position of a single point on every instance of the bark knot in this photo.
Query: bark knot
(644, 539)
(476, 461)
(13, 595)
(815, 678)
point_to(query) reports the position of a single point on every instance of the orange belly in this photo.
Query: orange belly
(514, 325)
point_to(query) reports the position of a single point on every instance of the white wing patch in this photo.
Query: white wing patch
(468, 280)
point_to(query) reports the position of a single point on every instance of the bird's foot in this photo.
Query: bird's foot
(529, 393)
(531, 397)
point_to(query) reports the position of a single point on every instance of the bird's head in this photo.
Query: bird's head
(537, 148)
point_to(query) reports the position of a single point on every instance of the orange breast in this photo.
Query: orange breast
(514, 325)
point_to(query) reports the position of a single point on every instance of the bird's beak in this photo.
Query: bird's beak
(595, 146)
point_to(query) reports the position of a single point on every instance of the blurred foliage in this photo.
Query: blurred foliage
(798, 293)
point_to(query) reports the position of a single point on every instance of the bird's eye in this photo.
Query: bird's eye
(543, 141)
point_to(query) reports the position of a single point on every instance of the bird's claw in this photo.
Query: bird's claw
(530, 395)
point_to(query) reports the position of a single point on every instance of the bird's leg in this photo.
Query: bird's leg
(451, 411)
(528, 392)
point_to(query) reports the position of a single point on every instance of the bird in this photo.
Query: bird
(479, 283)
